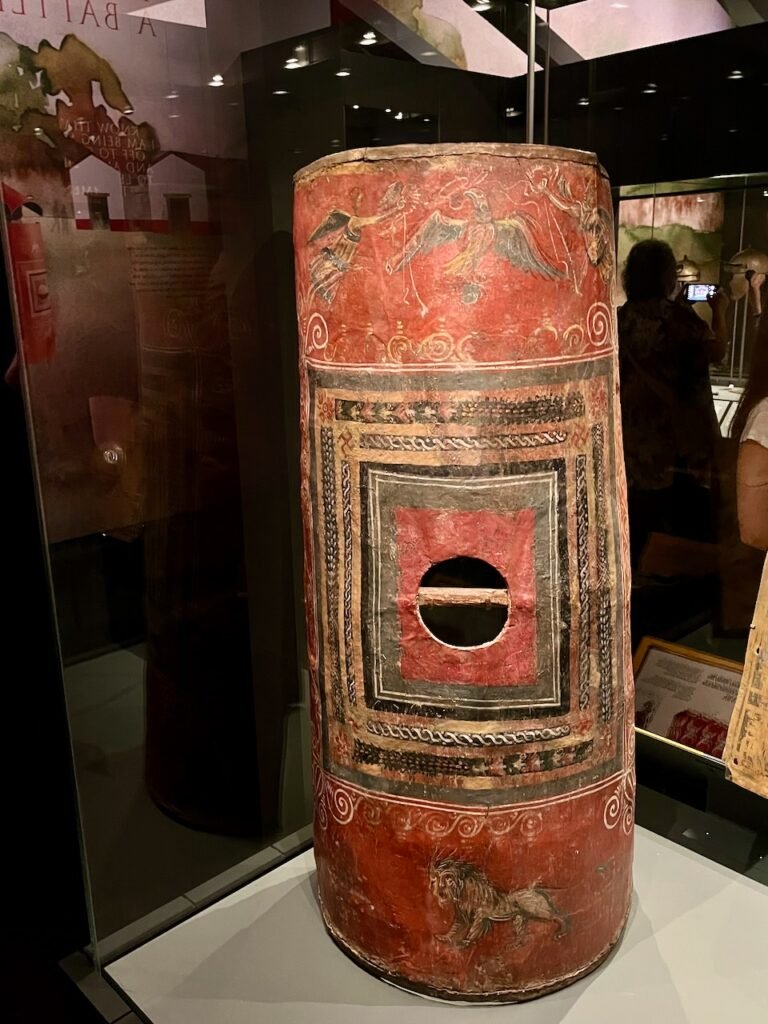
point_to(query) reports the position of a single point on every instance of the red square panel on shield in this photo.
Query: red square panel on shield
(426, 537)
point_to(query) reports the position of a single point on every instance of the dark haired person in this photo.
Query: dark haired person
(668, 415)
(750, 428)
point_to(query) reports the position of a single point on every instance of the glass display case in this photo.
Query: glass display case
(148, 154)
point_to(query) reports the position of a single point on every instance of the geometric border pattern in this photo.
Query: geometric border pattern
(424, 745)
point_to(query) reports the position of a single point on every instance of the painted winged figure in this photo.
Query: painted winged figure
(595, 221)
(342, 232)
(512, 238)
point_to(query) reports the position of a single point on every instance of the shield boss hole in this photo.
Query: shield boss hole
(463, 601)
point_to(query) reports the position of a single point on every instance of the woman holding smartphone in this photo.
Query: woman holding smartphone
(750, 427)
(668, 414)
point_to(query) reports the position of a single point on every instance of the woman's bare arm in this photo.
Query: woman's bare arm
(752, 494)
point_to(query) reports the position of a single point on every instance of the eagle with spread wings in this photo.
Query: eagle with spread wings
(513, 238)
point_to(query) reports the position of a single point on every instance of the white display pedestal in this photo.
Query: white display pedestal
(695, 952)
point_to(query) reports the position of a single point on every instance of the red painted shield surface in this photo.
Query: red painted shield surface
(466, 564)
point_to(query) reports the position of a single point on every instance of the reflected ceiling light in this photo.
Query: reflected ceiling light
(387, 110)
(343, 73)
(292, 60)
(369, 39)
(620, 7)
(765, 191)
(127, 110)
(735, 75)
(583, 102)
(217, 78)
(174, 115)
(355, 106)
(618, 108)
(428, 53)
(511, 112)
(215, 84)
(279, 92)
(399, 115)
(172, 95)
(482, 5)
(426, 120)
(650, 88)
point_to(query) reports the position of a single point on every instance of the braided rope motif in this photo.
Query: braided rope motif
(604, 630)
(582, 554)
(465, 739)
(346, 512)
(504, 442)
(331, 562)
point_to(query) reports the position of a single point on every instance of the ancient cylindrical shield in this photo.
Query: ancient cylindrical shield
(466, 564)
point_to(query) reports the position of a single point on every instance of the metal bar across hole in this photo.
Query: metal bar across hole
(462, 595)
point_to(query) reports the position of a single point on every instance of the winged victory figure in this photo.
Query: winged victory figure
(513, 238)
(344, 232)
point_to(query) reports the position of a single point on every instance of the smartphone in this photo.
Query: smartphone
(700, 292)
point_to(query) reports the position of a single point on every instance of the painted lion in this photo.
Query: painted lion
(477, 904)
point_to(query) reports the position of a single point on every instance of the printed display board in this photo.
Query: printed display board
(684, 695)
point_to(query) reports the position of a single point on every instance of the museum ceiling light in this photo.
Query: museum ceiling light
(369, 39)
(343, 73)
(735, 75)
(552, 5)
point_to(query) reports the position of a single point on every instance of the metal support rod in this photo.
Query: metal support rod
(746, 303)
(743, 338)
(530, 114)
(547, 68)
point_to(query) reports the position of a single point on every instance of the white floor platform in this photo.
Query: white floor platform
(695, 952)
